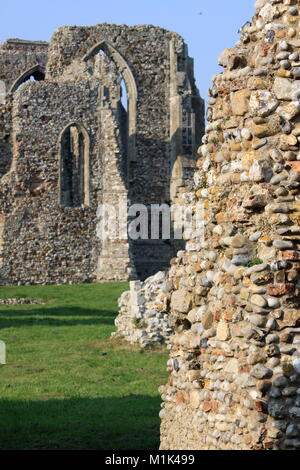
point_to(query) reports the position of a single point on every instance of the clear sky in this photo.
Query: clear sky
(208, 26)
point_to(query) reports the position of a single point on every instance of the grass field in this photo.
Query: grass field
(66, 385)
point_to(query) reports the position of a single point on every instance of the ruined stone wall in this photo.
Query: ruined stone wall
(47, 239)
(16, 57)
(234, 302)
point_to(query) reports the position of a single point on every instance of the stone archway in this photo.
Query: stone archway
(74, 175)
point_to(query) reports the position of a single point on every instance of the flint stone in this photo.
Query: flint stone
(232, 366)
(289, 391)
(289, 111)
(223, 331)
(283, 245)
(238, 241)
(238, 261)
(273, 302)
(276, 409)
(259, 301)
(255, 236)
(292, 431)
(207, 320)
(260, 171)
(2, 353)
(275, 392)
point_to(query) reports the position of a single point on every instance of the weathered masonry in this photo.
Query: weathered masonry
(234, 300)
(102, 115)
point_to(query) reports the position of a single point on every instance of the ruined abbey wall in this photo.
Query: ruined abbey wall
(234, 299)
(68, 146)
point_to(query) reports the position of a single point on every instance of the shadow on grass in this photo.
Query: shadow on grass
(69, 316)
(127, 423)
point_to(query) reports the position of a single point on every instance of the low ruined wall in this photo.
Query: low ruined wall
(235, 358)
(142, 318)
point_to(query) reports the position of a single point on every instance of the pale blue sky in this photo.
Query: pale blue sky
(206, 34)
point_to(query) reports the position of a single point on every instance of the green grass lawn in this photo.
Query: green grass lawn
(66, 385)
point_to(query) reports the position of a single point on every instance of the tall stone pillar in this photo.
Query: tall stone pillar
(235, 358)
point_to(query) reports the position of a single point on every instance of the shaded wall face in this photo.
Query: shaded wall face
(234, 298)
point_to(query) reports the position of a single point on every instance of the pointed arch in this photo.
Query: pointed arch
(37, 72)
(131, 87)
(74, 166)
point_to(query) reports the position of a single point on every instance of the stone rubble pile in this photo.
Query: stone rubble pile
(142, 318)
(234, 299)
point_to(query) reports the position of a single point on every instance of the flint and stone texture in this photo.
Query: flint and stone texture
(70, 147)
(234, 302)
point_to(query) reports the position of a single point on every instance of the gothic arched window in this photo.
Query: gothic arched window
(74, 166)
